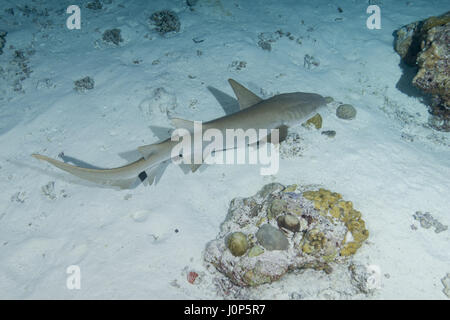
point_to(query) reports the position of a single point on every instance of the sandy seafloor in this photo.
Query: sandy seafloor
(388, 160)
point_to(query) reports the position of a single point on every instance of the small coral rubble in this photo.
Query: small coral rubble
(286, 228)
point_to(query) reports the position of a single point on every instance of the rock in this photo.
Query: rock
(329, 230)
(2, 40)
(433, 76)
(265, 45)
(446, 283)
(316, 121)
(407, 44)
(112, 36)
(310, 62)
(346, 111)
(329, 99)
(49, 190)
(329, 133)
(272, 238)
(165, 21)
(365, 278)
(94, 5)
(427, 220)
(270, 188)
(237, 243)
(289, 222)
(276, 208)
(425, 44)
(86, 83)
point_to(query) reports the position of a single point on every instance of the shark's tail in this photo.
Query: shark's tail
(123, 177)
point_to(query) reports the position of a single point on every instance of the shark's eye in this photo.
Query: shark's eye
(180, 155)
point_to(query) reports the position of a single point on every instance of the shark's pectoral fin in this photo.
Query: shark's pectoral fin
(194, 166)
(245, 97)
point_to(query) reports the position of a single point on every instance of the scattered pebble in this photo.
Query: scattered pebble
(238, 65)
(49, 190)
(446, 282)
(272, 238)
(45, 84)
(346, 111)
(2, 40)
(10, 11)
(112, 36)
(237, 243)
(289, 222)
(329, 133)
(265, 45)
(192, 276)
(86, 83)
(329, 99)
(165, 21)
(198, 39)
(309, 62)
(94, 5)
(19, 197)
(427, 220)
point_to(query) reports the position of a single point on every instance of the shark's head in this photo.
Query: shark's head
(300, 105)
(308, 102)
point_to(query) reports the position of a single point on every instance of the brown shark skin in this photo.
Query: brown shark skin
(280, 110)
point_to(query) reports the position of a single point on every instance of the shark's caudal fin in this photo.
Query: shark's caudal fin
(123, 177)
(245, 97)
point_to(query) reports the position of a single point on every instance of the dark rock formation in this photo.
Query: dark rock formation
(425, 44)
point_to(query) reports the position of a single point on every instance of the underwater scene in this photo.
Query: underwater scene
(225, 150)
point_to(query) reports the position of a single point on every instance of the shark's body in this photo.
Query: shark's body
(277, 112)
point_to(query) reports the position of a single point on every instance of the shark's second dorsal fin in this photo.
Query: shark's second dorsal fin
(245, 97)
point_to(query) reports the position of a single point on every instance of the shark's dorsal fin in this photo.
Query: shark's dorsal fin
(245, 97)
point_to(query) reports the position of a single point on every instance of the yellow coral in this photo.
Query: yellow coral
(260, 222)
(290, 188)
(331, 202)
(350, 248)
(435, 21)
(315, 121)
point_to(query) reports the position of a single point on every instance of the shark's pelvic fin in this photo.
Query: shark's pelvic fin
(149, 149)
(245, 97)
